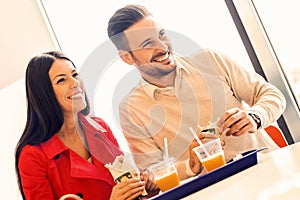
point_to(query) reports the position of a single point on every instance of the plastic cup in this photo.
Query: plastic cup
(212, 157)
(166, 176)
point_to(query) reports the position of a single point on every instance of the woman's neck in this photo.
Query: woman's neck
(70, 126)
(73, 136)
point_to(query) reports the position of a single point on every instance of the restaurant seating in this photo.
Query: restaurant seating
(276, 134)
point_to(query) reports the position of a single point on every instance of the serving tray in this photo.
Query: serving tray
(232, 167)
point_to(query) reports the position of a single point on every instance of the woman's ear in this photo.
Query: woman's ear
(126, 57)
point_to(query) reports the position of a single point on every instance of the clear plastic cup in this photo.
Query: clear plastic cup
(211, 154)
(166, 176)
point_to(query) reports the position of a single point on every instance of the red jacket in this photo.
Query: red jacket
(50, 170)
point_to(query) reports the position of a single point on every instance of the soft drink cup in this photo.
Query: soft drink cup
(211, 154)
(166, 176)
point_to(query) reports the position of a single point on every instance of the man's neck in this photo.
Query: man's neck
(163, 81)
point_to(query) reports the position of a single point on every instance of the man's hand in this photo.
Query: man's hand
(195, 163)
(237, 122)
(151, 187)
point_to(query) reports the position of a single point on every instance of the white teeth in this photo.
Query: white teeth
(78, 95)
(165, 56)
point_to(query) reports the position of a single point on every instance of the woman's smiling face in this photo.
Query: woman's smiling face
(68, 86)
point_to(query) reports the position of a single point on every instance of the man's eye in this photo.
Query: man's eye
(146, 44)
(162, 34)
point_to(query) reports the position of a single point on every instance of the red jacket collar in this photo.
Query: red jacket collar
(102, 149)
(53, 147)
(99, 141)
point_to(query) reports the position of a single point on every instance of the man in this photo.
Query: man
(178, 93)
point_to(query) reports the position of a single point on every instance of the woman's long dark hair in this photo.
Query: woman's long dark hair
(44, 115)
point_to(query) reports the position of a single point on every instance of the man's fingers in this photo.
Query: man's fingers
(227, 115)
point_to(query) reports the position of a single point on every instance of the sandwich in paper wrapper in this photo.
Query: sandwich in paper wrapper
(123, 168)
(211, 128)
(214, 129)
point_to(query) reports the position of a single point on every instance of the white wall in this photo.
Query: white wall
(23, 35)
(13, 118)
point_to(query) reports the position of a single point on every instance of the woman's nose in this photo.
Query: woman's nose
(74, 82)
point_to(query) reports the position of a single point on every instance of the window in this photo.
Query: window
(262, 33)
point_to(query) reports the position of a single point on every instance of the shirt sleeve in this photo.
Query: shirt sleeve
(263, 98)
(33, 173)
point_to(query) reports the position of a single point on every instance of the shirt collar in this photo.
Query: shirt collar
(150, 88)
(53, 146)
(180, 66)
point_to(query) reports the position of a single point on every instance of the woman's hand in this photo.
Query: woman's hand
(128, 189)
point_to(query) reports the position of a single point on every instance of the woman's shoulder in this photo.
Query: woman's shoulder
(31, 149)
(32, 153)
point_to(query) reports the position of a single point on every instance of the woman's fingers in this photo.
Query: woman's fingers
(128, 189)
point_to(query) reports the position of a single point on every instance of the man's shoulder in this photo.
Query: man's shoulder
(136, 94)
(203, 54)
(200, 60)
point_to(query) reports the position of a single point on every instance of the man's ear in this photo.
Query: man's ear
(126, 57)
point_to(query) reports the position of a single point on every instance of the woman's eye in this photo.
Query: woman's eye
(75, 75)
(60, 80)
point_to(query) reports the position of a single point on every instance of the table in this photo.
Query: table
(276, 176)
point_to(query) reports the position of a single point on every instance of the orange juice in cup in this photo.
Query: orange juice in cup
(214, 161)
(166, 176)
(168, 181)
(211, 154)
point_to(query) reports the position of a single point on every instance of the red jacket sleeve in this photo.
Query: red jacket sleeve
(33, 172)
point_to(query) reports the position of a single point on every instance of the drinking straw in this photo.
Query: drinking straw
(198, 140)
(166, 149)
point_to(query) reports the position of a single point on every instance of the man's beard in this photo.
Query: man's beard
(154, 69)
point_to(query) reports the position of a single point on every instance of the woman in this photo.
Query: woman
(63, 149)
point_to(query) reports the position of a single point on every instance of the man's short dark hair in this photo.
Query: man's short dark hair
(122, 20)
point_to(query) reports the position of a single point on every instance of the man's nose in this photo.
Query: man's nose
(161, 45)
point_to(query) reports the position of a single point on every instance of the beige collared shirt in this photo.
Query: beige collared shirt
(206, 85)
(151, 90)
